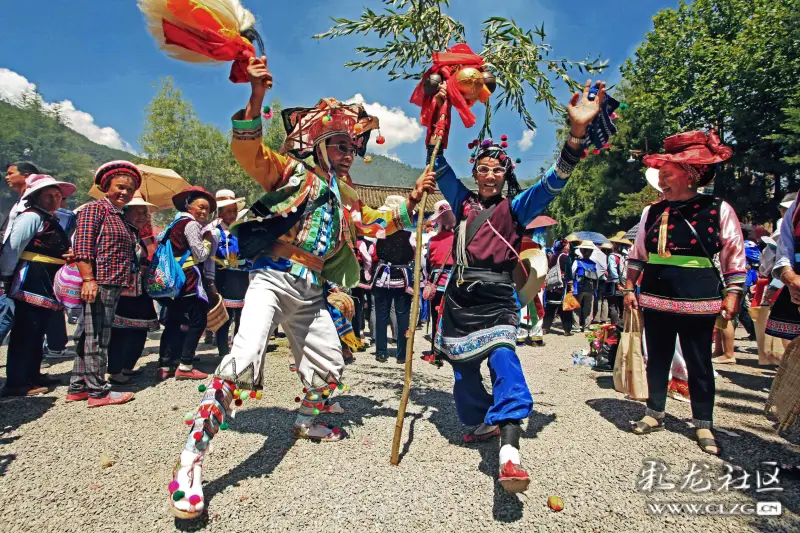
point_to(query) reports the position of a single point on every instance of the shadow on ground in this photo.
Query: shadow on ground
(15, 413)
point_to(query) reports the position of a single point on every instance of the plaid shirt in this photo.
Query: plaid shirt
(106, 240)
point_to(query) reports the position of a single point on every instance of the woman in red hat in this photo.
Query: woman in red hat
(188, 237)
(104, 245)
(682, 292)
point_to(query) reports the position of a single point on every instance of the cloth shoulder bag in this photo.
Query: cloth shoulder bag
(554, 279)
(629, 371)
(165, 277)
(429, 291)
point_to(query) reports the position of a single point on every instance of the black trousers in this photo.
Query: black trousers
(615, 308)
(234, 317)
(57, 333)
(359, 299)
(696, 333)
(193, 312)
(383, 305)
(24, 359)
(550, 314)
(435, 303)
(586, 299)
(125, 348)
(746, 319)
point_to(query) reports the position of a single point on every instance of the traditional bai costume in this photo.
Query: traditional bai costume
(681, 289)
(232, 276)
(300, 234)
(480, 313)
(784, 319)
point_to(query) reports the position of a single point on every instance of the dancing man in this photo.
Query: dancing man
(303, 231)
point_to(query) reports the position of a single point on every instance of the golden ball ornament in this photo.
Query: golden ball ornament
(469, 81)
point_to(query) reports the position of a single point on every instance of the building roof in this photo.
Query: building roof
(374, 195)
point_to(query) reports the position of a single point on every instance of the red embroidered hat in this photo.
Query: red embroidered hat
(107, 171)
(179, 200)
(696, 149)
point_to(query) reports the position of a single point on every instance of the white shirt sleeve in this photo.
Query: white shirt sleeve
(785, 255)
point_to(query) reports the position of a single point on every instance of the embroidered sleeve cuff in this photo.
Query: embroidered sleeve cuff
(734, 278)
(440, 166)
(553, 182)
(566, 163)
(400, 213)
(246, 130)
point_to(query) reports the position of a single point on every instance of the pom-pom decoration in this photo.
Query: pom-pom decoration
(253, 394)
(486, 143)
(259, 395)
(596, 151)
(472, 160)
(224, 426)
(305, 390)
(518, 160)
(204, 413)
(326, 392)
(201, 388)
(173, 486)
(194, 499)
(623, 106)
(217, 385)
(204, 31)
(316, 412)
(380, 139)
(297, 399)
(368, 159)
(504, 137)
(504, 144)
(197, 435)
(178, 495)
(188, 417)
(238, 403)
(502, 157)
(340, 386)
(332, 386)
(326, 119)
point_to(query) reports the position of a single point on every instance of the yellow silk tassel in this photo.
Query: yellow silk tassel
(663, 251)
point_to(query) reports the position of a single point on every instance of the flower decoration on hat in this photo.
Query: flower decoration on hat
(308, 126)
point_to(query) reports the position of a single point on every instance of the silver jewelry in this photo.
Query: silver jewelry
(576, 140)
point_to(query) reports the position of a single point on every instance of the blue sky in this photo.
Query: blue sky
(97, 55)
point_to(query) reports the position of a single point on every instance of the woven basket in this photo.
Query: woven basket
(784, 396)
(217, 316)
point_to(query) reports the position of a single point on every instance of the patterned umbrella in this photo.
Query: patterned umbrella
(541, 221)
(593, 236)
(631, 235)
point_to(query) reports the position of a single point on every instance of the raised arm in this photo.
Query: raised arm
(260, 162)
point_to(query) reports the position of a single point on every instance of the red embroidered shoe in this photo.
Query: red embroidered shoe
(514, 478)
(164, 374)
(77, 396)
(113, 398)
(190, 374)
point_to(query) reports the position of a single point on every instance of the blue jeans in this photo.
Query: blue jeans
(383, 306)
(510, 399)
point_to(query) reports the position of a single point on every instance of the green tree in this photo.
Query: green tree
(174, 137)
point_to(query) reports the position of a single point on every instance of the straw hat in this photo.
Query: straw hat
(138, 199)
(37, 182)
(587, 245)
(226, 197)
(606, 246)
(391, 202)
(535, 261)
(572, 238)
(619, 238)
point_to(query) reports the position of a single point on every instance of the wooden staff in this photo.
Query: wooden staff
(412, 324)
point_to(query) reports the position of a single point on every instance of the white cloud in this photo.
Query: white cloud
(526, 142)
(396, 127)
(13, 86)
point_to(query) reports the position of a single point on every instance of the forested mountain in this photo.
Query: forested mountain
(40, 135)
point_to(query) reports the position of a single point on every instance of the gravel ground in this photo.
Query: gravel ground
(55, 473)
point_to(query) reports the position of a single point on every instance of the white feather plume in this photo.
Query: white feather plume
(231, 13)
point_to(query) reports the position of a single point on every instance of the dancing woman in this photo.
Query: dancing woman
(480, 315)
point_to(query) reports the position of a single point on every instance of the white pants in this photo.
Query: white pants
(300, 308)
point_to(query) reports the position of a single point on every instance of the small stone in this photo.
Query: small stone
(106, 461)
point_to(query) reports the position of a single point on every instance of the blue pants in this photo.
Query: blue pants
(510, 399)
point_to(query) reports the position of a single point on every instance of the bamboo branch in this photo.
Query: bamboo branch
(412, 324)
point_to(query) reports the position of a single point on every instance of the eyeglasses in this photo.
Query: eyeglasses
(346, 148)
(497, 171)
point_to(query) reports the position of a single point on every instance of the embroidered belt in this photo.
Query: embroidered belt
(186, 264)
(685, 261)
(298, 255)
(39, 258)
